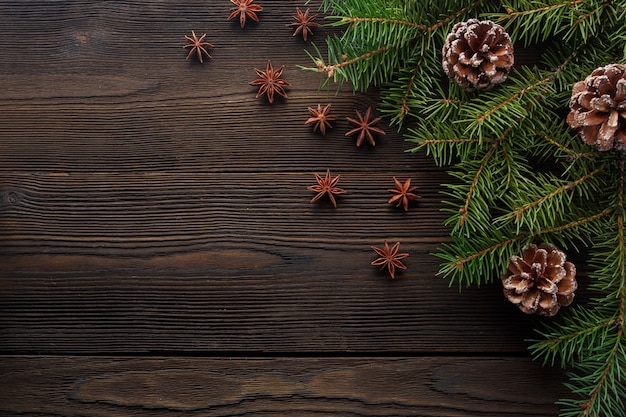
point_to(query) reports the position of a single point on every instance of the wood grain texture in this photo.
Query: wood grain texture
(289, 300)
(369, 386)
(151, 205)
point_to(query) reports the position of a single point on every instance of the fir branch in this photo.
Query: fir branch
(456, 267)
(454, 16)
(574, 337)
(621, 238)
(518, 212)
(513, 14)
(621, 197)
(355, 20)
(495, 111)
(464, 210)
(443, 143)
(404, 106)
(439, 142)
(575, 224)
(460, 263)
(535, 21)
(400, 107)
(330, 69)
(438, 107)
(573, 155)
(592, 340)
(587, 22)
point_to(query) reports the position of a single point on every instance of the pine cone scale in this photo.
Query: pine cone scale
(620, 93)
(535, 258)
(603, 103)
(517, 283)
(516, 265)
(547, 286)
(590, 118)
(607, 130)
(556, 258)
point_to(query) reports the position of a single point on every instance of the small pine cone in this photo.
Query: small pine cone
(598, 108)
(478, 54)
(540, 281)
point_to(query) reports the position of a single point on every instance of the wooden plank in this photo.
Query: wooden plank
(290, 301)
(157, 386)
(215, 207)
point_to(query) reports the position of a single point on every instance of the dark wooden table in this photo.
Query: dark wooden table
(160, 256)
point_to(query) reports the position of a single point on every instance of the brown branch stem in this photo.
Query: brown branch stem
(521, 210)
(354, 20)
(563, 147)
(454, 140)
(330, 69)
(512, 98)
(465, 209)
(453, 16)
(512, 14)
(462, 261)
(555, 340)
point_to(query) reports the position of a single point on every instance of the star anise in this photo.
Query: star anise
(390, 258)
(304, 22)
(403, 193)
(320, 118)
(269, 82)
(365, 127)
(197, 46)
(326, 185)
(244, 8)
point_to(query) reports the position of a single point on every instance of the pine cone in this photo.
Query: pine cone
(598, 108)
(540, 281)
(477, 54)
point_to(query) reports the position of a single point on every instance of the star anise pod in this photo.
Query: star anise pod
(365, 127)
(244, 8)
(197, 46)
(403, 193)
(269, 82)
(390, 258)
(320, 118)
(304, 22)
(326, 185)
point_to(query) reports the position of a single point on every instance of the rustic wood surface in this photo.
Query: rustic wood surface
(160, 255)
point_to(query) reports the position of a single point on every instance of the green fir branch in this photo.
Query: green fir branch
(506, 107)
(531, 22)
(547, 197)
(560, 145)
(576, 336)
(471, 264)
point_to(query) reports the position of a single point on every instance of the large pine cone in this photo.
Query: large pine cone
(477, 54)
(540, 281)
(598, 108)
